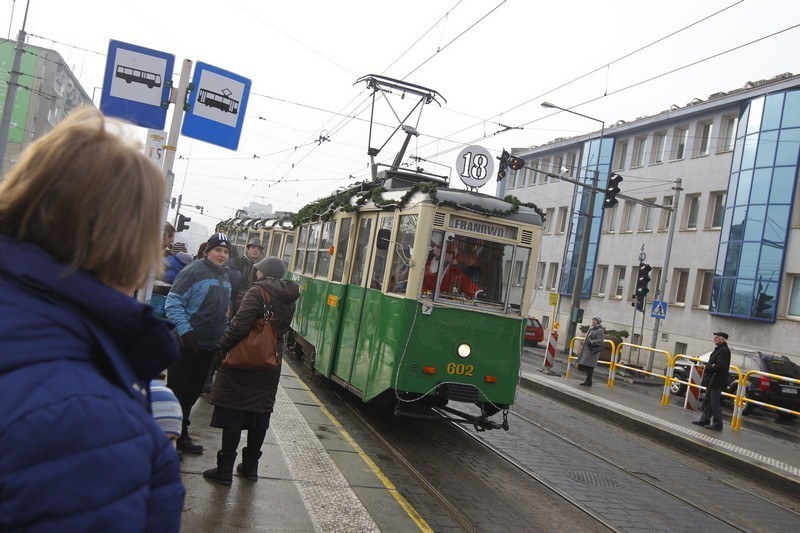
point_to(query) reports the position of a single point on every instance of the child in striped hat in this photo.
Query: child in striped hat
(166, 410)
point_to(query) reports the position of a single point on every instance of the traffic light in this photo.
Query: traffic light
(642, 282)
(612, 190)
(764, 305)
(182, 223)
(501, 171)
(516, 163)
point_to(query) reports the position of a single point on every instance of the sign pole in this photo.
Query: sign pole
(178, 98)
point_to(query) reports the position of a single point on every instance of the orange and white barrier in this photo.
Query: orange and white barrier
(692, 401)
(550, 352)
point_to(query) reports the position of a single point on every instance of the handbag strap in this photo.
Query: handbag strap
(268, 313)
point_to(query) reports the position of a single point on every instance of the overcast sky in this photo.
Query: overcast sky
(493, 62)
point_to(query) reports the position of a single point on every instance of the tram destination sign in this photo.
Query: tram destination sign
(484, 228)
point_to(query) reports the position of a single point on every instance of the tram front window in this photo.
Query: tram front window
(477, 271)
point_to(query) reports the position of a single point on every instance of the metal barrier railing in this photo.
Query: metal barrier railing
(572, 356)
(741, 396)
(739, 399)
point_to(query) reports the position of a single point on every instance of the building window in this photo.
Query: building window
(600, 280)
(691, 210)
(657, 154)
(728, 133)
(570, 164)
(716, 210)
(705, 279)
(619, 282)
(704, 129)
(548, 219)
(680, 348)
(540, 271)
(679, 138)
(794, 298)
(558, 162)
(621, 156)
(682, 280)
(639, 147)
(609, 219)
(666, 214)
(648, 216)
(534, 166)
(655, 283)
(553, 277)
(562, 220)
(627, 217)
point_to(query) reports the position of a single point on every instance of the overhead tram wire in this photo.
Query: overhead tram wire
(631, 86)
(578, 78)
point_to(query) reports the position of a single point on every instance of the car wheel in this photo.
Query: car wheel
(675, 388)
(748, 407)
(786, 416)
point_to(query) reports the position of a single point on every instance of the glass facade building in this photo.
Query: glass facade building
(758, 206)
(580, 205)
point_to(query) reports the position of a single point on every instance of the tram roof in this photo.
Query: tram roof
(476, 202)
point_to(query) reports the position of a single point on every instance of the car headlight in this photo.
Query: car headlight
(464, 350)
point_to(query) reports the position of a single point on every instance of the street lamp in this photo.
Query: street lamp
(580, 268)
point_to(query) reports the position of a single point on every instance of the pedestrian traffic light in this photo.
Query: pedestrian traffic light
(182, 223)
(764, 305)
(501, 171)
(612, 190)
(516, 163)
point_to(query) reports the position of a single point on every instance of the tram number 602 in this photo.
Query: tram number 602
(460, 369)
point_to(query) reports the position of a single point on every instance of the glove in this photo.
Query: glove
(188, 344)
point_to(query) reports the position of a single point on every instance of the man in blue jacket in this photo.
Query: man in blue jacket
(197, 304)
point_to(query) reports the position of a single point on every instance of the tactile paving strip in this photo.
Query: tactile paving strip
(331, 503)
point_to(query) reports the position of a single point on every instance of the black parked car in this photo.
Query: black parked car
(761, 388)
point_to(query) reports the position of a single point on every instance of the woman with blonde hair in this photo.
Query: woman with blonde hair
(80, 229)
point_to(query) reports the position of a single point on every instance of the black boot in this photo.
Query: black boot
(223, 473)
(248, 468)
(588, 381)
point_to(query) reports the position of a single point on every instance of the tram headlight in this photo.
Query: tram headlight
(464, 350)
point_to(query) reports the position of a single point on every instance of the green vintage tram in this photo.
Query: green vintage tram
(276, 234)
(417, 293)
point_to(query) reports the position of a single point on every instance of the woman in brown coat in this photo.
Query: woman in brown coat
(244, 398)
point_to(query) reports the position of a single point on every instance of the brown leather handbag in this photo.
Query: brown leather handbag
(259, 350)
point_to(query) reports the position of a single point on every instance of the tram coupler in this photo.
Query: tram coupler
(482, 423)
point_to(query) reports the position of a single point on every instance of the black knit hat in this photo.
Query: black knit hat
(218, 239)
(271, 267)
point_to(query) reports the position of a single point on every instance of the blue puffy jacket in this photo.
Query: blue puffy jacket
(79, 449)
(198, 301)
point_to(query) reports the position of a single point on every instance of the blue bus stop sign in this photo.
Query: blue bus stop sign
(216, 106)
(136, 84)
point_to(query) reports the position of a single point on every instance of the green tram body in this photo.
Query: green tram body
(379, 341)
(357, 327)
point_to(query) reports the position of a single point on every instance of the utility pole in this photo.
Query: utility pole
(665, 269)
(11, 93)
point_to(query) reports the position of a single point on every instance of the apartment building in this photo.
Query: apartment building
(734, 256)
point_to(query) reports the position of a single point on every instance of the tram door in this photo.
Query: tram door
(354, 299)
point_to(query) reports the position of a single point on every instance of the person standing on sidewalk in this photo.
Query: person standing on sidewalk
(244, 398)
(590, 351)
(79, 449)
(197, 304)
(715, 378)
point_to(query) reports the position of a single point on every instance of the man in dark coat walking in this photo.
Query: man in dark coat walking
(715, 378)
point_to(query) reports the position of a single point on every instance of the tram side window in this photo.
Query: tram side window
(518, 279)
(341, 250)
(385, 222)
(362, 249)
(311, 250)
(301, 249)
(406, 231)
(287, 250)
(264, 237)
(324, 254)
(275, 249)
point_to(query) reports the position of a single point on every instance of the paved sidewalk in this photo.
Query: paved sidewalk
(767, 458)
